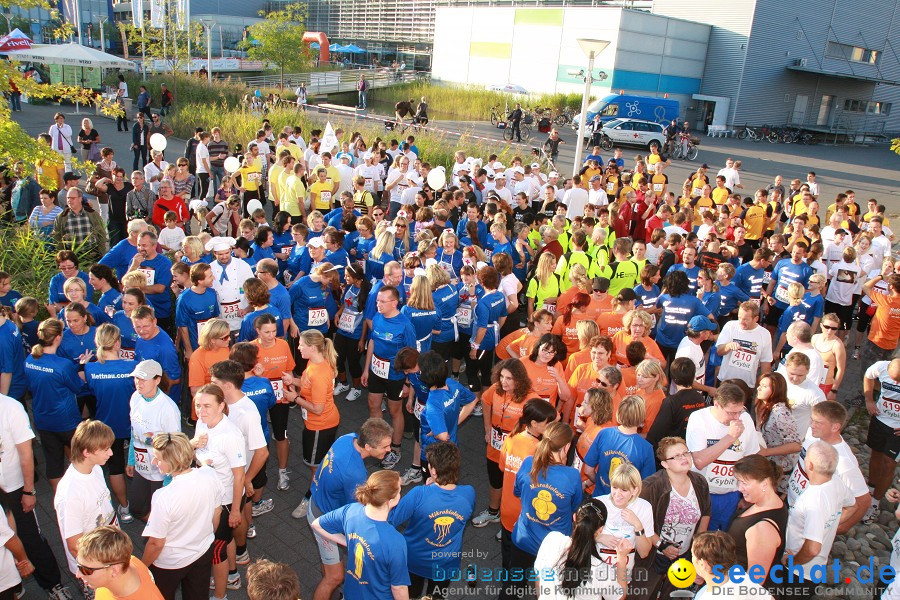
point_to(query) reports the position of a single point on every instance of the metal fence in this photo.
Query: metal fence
(330, 82)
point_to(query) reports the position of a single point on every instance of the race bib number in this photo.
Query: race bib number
(657, 187)
(141, 460)
(326, 197)
(255, 177)
(348, 321)
(200, 325)
(721, 476)
(781, 294)
(742, 359)
(231, 311)
(317, 317)
(888, 408)
(498, 436)
(550, 307)
(278, 388)
(369, 185)
(380, 367)
(464, 315)
(418, 409)
(126, 354)
(150, 274)
(610, 187)
(576, 462)
(798, 482)
(304, 413)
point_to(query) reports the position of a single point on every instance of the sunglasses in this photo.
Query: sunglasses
(831, 327)
(86, 571)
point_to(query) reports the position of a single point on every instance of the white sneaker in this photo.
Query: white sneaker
(124, 515)
(391, 459)
(251, 532)
(477, 411)
(383, 406)
(353, 395)
(284, 480)
(242, 559)
(341, 388)
(301, 510)
(262, 507)
(485, 518)
(411, 475)
(60, 592)
(871, 515)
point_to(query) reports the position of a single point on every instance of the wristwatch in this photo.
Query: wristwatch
(639, 533)
(31, 493)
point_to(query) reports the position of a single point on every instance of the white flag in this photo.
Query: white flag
(329, 139)
(157, 13)
(137, 13)
(181, 14)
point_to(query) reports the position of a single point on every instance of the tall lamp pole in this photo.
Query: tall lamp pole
(103, 19)
(592, 48)
(8, 16)
(208, 24)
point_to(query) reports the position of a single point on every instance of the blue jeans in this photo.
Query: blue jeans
(217, 173)
(362, 98)
(15, 101)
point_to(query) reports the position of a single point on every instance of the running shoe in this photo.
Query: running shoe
(284, 480)
(233, 582)
(871, 515)
(124, 515)
(341, 388)
(391, 459)
(485, 518)
(353, 395)
(262, 507)
(411, 475)
(477, 411)
(302, 508)
(251, 532)
(60, 592)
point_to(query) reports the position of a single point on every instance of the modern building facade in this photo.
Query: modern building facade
(404, 30)
(537, 48)
(828, 65)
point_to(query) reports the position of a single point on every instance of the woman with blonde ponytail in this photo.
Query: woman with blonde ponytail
(53, 382)
(551, 493)
(376, 552)
(314, 394)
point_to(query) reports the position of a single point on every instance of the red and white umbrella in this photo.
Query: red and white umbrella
(15, 40)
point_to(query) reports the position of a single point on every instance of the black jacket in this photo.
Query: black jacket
(136, 133)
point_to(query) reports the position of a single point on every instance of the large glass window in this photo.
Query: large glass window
(852, 53)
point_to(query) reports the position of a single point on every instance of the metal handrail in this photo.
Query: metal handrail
(344, 80)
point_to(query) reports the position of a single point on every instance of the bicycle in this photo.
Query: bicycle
(564, 117)
(685, 149)
(524, 128)
(749, 132)
(540, 155)
(497, 116)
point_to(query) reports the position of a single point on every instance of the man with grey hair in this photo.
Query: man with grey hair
(120, 256)
(799, 337)
(814, 519)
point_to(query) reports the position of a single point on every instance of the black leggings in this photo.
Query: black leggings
(203, 181)
(482, 365)
(348, 349)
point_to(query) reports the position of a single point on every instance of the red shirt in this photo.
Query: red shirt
(653, 222)
(622, 224)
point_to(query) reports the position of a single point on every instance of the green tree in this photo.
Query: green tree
(277, 38)
(168, 44)
(15, 143)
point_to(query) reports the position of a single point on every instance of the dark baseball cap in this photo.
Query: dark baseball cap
(601, 284)
(70, 176)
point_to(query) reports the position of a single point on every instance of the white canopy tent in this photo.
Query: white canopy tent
(70, 54)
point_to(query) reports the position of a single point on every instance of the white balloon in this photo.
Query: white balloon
(437, 178)
(158, 141)
(253, 205)
(232, 164)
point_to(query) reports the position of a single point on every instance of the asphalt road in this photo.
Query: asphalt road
(871, 171)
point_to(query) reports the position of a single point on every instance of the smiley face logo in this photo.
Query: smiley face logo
(682, 573)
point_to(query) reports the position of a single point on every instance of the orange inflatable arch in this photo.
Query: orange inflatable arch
(318, 36)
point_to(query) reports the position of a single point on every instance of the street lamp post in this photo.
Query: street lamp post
(9, 17)
(592, 48)
(103, 19)
(208, 24)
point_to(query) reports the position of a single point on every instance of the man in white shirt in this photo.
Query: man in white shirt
(346, 173)
(82, 500)
(814, 519)
(155, 170)
(745, 347)
(699, 330)
(500, 188)
(718, 436)
(731, 175)
(229, 275)
(827, 421)
(812, 183)
(17, 481)
(802, 393)
(229, 375)
(799, 338)
(202, 160)
(596, 194)
(884, 425)
(575, 198)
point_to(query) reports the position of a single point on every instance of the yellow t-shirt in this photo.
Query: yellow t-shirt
(653, 159)
(702, 203)
(697, 184)
(274, 171)
(720, 195)
(755, 221)
(250, 177)
(320, 195)
(586, 177)
(658, 184)
(294, 190)
(799, 207)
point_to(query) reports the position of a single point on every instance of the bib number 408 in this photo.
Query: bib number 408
(722, 470)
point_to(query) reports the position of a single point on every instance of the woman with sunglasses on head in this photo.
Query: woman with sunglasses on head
(681, 508)
(180, 531)
(219, 444)
(551, 493)
(109, 380)
(545, 369)
(587, 375)
(570, 565)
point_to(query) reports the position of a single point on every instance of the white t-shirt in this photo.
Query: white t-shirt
(844, 282)
(509, 286)
(653, 254)
(149, 417)
(201, 153)
(223, 452)
(731, 177)
(815, 516)
(693, 351)
(171, 237)
(893, 590)
(181, 513)
(755, 348)
(598, 197)
(881, 247)
(703, 431)
(801, 399)
(817, 370)
(245, 415)
(887, 406)
(550, 561)
(617, 525)
(346, 183)
(575, 200)
(505, 194)
(15, 428)
(151, 171)
(82, 503)
(9, 574)
(682, 517)
(398, 176)
(230, 291)
(847, 471)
